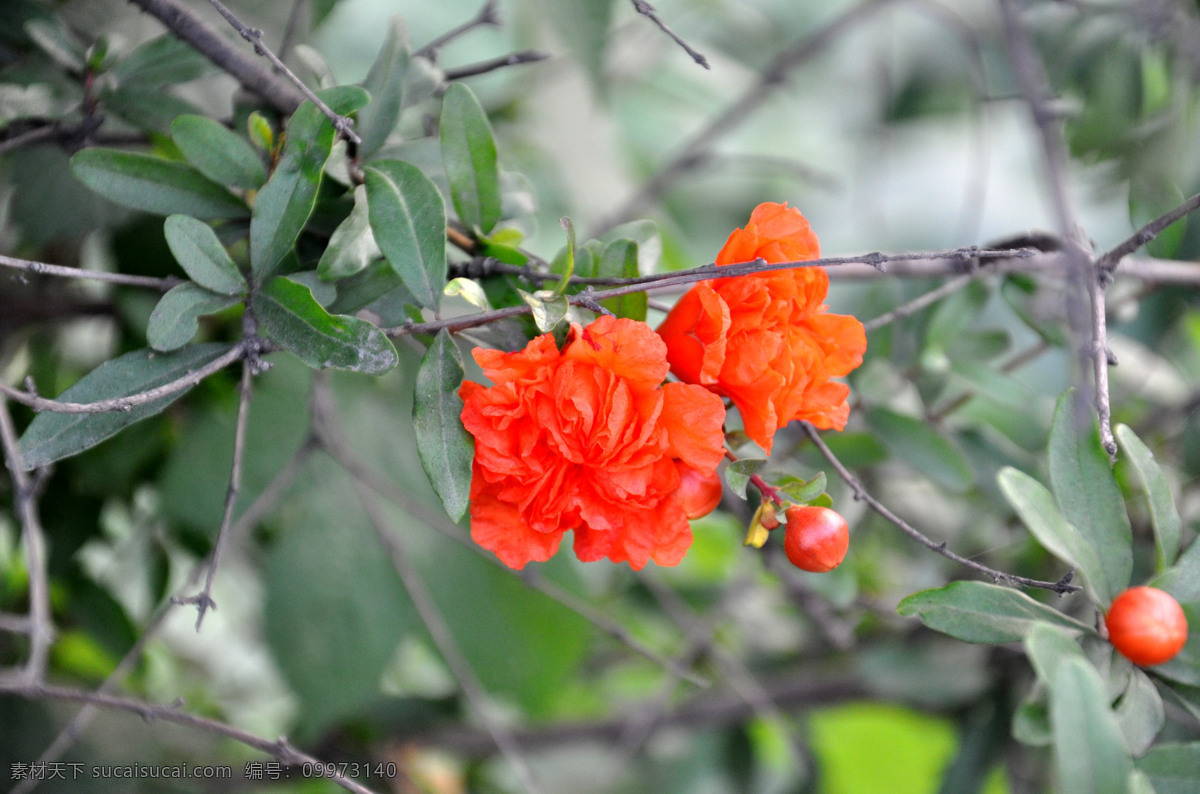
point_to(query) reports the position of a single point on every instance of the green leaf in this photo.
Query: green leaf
(469, 290)
(217, 152)
(284, 204)
(620, 260)
(56, 40)
(149, 109)
(801, 491)
(1163, 513)
(739, 472)
(202, 257)
(981, 612)
(1140, 712)
(1047, 647)
(151, 184)
(1089, 751)
(1038, 511)
(53, 436)
(408, 219)
(469, 155)
(1183, 579)
(334, 609)
(922, 447)
(1173, 768)
(444, 445)
(1087, 492)
(548, 308)
(352, 245)
(173, 321)
(385, 83)
(289, 315)
(160, 62)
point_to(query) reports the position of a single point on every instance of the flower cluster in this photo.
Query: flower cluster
(766, 340)
(588, 438)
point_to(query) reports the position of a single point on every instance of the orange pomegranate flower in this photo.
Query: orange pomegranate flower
(766, 340)
(587, 439)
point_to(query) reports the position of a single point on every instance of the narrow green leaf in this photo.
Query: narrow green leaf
(55, 39)
(1048, 646)
(738, 473)
(548, 308)
(1031, 721)
(1038, 511)
(1089, 751)
(645, 234)
(352, 246)
(469, 290)
(53, 436)
(469, 155)
(1087, 492)
(1173, 768)
(801, 491)
(926, 450)
(217, 152)
(1140, 712)
(385, 83)
(162, 61)
(289, 315)
(151, 184)
(148, 109)
(173, 322)
(1163, 513)
(571, 263)
(620, 260)
(444, 445)
(981, 612)
(284, 204)
(408, 219)
(202, 257)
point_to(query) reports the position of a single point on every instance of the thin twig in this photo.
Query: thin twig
(280, 749)
(203, 600)
(40, 628)
(708, 272)
(1061, 587)
(45, 269)
(918, 303)
(248, 70)
(1088, 279)
(78, 724)
(1111, 258)
(647, 10)
(487, 16)
(343, 125)
(132, 401)
(29, 137)
(492, 64)
(696, 150)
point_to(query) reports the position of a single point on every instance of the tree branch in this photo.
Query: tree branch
(45, 269)
(280, 749)
(189, 380)
(40, 627)
(648, 11)
(250, 72)
(1061, 587)
(203, 600)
